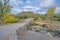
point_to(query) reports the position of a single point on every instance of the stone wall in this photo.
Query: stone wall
(18, 34)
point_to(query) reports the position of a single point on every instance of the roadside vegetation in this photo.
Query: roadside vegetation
(7, 17)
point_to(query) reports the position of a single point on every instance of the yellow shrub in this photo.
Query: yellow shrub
(9, 18)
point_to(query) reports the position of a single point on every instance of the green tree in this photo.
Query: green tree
(4, 8)
(50, 12)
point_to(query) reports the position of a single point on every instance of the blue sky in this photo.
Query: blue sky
(39, 6)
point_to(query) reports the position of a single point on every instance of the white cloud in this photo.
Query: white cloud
(28, 1)
(16, 9)
(57, 9)
(46, 3)
(43, 12)
(20, 10)
(13, 10)
(31, 7)
(14, 2)
(25, 8)
(20, 2)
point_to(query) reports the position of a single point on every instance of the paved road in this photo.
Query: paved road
(6, 29)
(30, 35)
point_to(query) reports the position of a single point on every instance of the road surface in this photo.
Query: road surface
(6, 29)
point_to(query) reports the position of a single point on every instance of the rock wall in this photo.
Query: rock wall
(20, 32)
(17, 34)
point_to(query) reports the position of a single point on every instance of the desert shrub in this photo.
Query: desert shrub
(9, 18)
(36, 18)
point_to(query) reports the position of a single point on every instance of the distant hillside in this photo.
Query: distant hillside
(28, 14)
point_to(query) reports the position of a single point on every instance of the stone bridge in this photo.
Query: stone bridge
(14, 31)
